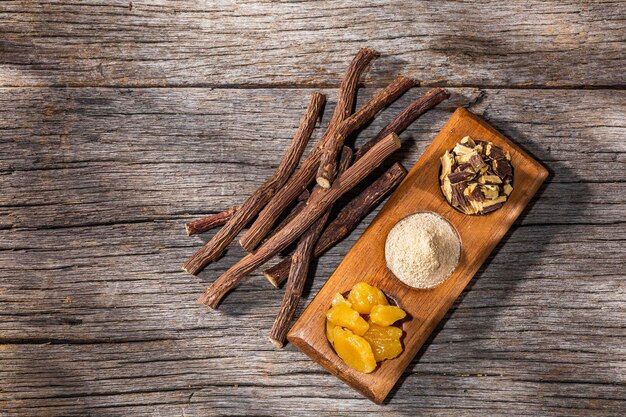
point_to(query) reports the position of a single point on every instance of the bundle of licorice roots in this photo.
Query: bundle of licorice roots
(302, 193)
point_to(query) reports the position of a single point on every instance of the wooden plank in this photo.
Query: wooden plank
(463, 386)
(254, 43)
(170, 152)
(133, 337)
(98, 182)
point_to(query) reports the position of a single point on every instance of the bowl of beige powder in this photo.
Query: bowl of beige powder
(422, 250)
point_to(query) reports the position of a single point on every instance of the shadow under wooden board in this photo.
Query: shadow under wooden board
(419, 192)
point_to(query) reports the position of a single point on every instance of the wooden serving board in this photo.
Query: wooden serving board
(366, 260)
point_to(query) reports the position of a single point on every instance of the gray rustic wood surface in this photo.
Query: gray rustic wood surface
(119, 121)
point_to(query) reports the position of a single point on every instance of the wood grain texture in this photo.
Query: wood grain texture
(70, 156)
(98, 178)
(249, 209)
(97, 182)
(419, 192)
(252, 43)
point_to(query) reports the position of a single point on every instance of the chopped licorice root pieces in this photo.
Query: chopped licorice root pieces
(476, 176)
(360, 343)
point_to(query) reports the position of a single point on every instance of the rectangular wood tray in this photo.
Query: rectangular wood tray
(366, 261)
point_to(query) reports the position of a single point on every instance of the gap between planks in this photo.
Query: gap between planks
(313, 86)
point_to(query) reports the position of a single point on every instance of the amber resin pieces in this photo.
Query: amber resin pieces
(476, 176)
(360, 328)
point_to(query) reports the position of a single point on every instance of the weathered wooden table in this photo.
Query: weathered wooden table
(119, 121)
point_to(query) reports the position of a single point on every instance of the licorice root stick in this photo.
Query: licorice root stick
(314, 209)
(346, 221)
(300, 261)
(251, 207)
(306, 173)
(383, 98)
(268, 216)
(209, 222)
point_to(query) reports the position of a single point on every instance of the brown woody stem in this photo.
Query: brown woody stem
(359, 207)
(304, 195)
(306, 173)
(406, 117)
(209, 222)
(383, 98)
(314, 209)
(294, 212)
(302, 198)
(267, 217)
(214, 248)
(348, 88)
(346, 221)
(300, 261)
